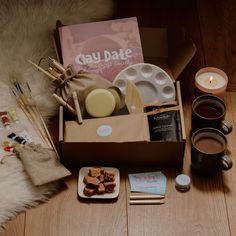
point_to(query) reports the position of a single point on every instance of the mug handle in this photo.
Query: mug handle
(226, 127)
(225, 162)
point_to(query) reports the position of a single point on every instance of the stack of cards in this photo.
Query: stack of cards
(147, 188)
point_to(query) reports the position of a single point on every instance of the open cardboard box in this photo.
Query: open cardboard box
(170, 50)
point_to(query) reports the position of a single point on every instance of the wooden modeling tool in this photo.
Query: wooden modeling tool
(133, 99)
(54, 72)
(44, 71)
(171, 103)
(175, 108)
(147, 202)
(77, 107)
(146, 199)
(146, 196)
(63, 103)
(43, 123)
(57, 65)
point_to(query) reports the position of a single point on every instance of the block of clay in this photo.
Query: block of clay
(100, 103)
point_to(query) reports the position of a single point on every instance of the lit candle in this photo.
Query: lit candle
(211, 80)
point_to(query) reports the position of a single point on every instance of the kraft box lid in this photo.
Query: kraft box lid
(169, 49)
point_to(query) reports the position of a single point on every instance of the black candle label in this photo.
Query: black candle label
(165, 126)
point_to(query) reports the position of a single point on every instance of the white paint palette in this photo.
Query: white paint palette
(153, 83)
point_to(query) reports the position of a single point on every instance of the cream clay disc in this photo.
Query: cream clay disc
(100, 103)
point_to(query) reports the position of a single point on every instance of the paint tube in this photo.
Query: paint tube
(4, 118)
(16, 138)
(12, 112)
(25, 135)
(8, 149)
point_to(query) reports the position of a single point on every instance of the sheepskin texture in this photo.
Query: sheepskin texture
(17, 191)
(26, 33)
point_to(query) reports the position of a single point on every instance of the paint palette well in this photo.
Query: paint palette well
(153, 83)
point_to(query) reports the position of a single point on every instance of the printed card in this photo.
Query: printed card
(149, 182)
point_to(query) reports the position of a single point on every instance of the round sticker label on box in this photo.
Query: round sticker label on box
(104, 130)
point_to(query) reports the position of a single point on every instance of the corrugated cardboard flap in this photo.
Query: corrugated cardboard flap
(169, 49)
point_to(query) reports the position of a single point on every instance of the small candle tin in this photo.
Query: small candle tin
(182, 182)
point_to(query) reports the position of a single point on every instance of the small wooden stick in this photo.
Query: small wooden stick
(63, 103)
(61, 119)
(175, 108)
(146, 196)
(59, 66)
(33, 120)
(77, 107)
(174, 103)
(38, 113)
(53, 72)
(42, 70)
(27, 109)
(47, 133)
(146, 202)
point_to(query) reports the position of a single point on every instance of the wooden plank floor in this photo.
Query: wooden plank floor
(209, 207)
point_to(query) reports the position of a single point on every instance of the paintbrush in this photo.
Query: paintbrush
(28, 110)
(42, 121)
(28, 115)
(45, 72)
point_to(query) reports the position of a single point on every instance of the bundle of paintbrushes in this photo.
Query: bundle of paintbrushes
(28, 106)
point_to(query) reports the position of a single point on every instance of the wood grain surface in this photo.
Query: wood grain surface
(209, 207)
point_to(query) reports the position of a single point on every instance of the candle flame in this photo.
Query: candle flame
(211, 79)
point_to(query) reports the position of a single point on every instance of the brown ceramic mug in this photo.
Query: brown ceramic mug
(208, 147)
(209, 111)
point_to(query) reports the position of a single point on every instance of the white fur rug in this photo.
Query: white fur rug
(26, 28)
(17, 192)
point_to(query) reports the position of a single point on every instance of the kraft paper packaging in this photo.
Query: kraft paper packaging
(124, 128)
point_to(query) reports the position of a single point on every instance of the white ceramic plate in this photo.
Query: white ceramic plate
(153, 83)
(84, 171)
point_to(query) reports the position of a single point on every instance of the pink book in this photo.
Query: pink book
(104, 47)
